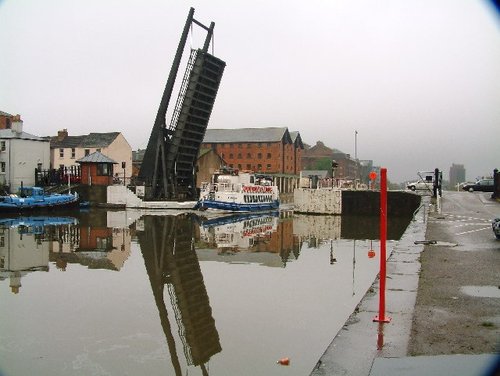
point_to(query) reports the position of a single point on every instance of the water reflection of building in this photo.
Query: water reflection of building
(167, 245)
(30, 243)
(96, 248)
(314, 229)
(254, 238)
(98, 242)
(23, 246)
(318, 229)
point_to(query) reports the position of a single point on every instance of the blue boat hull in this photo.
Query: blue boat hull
(33, 205)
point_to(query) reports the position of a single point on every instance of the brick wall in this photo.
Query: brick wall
(267, 157)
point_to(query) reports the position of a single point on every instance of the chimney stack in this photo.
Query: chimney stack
(61, 135)
(17, 124)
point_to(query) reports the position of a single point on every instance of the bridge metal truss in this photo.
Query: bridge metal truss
(169, 165)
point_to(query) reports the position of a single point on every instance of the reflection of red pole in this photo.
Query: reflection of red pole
(383, 237)
(380, 336)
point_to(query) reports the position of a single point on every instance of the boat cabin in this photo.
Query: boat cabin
(30, 192)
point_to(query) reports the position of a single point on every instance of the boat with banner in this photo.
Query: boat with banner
(238, 191)
(35, 198)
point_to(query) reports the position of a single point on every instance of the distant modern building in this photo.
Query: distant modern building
(267, 150)
(65, 150)
(457, 174)
(20, 153)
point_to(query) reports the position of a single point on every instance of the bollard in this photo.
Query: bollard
(383, 237)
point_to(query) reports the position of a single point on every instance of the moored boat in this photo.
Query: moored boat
(238, 191)
(34, 198)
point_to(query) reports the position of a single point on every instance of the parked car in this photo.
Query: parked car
(483, 185)
(420, 185)
(496, 227)
(426, 181)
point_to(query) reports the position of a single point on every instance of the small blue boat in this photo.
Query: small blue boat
(34, 198)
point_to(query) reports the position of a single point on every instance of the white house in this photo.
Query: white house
(20, 154)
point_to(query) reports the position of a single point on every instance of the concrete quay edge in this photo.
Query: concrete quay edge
(361, 340)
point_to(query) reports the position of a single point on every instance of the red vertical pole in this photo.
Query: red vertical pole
(383, 238)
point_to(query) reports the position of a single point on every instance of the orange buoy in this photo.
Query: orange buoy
(284, 361)
(371, 253)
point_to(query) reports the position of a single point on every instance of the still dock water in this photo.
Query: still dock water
(117, 293)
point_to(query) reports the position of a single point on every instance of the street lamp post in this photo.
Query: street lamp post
(123, 166)
(356, 153)
(355, 144)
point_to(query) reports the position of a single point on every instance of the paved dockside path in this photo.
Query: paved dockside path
(364, 347)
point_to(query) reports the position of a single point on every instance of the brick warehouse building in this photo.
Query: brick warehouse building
(266, 150)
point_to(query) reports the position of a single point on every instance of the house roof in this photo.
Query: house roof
(99, 140)
(96, 157)
(295, 136)
(68, 142)
(273, 134)
(320, 150)
(92, 140)
(11, 134)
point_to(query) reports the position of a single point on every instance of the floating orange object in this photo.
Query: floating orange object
(372, 175)
(371, 253)
(284, 361)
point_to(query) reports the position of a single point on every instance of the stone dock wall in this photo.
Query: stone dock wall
(351, 202)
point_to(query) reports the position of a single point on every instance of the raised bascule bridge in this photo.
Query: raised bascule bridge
(168, 169)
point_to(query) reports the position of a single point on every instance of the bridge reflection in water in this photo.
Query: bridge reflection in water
(167, 245)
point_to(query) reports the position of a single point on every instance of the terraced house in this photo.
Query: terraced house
(268, 150)
(65, 150)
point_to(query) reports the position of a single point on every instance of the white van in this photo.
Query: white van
(426, 181)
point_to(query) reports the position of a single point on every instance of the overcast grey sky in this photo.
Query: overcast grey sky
(418, 80)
